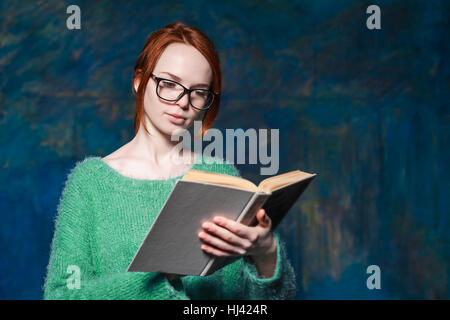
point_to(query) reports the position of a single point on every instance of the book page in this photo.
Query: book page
(280, 180)
(219, 178)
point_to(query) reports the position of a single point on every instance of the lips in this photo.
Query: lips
(177, 116)
(175, 119)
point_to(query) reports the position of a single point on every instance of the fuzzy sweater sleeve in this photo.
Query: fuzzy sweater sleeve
(241, 280)
(71, 247)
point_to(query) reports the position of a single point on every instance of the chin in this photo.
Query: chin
(172, 129)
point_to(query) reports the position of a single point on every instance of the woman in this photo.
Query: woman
(108, 204)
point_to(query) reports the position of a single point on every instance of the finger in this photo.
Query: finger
(215, 251)
(237, 228)
(220, 244)
(264, 219)
(225, 234)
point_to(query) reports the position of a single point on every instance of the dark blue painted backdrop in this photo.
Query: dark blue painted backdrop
(366, 110)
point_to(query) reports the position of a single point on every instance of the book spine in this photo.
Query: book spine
(246, 217)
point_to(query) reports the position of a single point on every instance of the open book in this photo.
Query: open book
(172, 244)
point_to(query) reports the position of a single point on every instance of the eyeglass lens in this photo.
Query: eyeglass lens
(172, 91)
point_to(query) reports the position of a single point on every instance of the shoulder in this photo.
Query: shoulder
(82, 171)
(219, 165)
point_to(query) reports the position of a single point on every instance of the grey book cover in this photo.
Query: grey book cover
(172, 244)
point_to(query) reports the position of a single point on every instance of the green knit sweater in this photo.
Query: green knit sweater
(102, 218)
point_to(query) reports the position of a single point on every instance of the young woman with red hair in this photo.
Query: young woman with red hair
(108, 204)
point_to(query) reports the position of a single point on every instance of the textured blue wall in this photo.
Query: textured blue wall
(366, 110)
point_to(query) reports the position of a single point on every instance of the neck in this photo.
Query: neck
(156, 148)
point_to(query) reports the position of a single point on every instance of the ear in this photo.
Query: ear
(137, 80)
(136, 83)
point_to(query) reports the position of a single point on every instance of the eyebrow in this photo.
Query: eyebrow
(179, 79)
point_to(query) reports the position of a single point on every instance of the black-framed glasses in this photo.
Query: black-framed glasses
(170, 90)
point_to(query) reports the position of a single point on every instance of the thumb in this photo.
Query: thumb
(263, 218)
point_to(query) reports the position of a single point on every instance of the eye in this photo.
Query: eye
(201, 93)
(168, 84)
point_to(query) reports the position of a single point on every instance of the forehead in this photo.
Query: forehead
(186, 62)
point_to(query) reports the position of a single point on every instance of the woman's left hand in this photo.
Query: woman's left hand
(225, 237)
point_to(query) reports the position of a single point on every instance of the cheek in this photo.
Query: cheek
(151, 104)
(197, 116)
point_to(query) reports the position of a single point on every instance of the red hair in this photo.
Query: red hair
(155, 44)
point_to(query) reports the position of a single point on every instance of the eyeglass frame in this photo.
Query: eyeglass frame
(158, 79)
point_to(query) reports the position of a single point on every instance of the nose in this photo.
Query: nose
(184, 101)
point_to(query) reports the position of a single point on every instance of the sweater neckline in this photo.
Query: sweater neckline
(135, 181)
